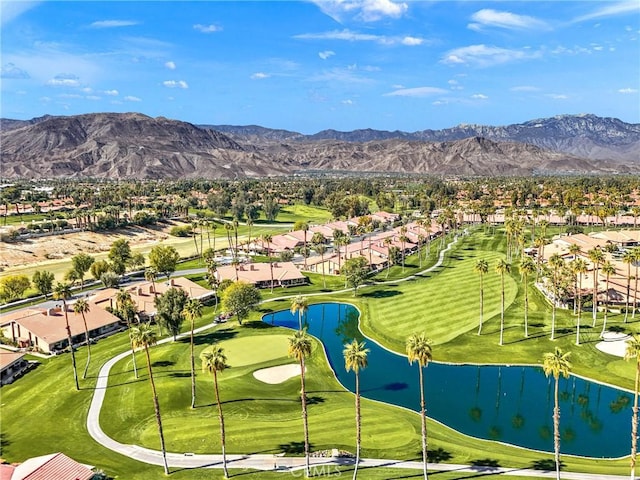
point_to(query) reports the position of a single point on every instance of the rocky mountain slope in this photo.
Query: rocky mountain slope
(586, 136)
(132, 145)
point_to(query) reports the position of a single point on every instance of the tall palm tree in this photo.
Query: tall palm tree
(556, 364)
(62, 291)
(527, 268)
(300, 305)
(355, 358)
(82, 307)
(403, 239)
(579, 268)
(192, 310)
(481, 268)
(214, 361)
(556, 263)
(633, 351)
(597, 257)
(502, 268)
(300, 349)
(318, 242)
(267, 237)
(419, 349)
(127, 310)
(143, 336)
(608, 269)
(575, 250)
(150, 275)
(636, 263)
(628, 257)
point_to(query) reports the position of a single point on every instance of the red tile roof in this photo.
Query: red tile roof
(49, 467)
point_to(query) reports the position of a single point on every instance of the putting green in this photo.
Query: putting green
(252, 350)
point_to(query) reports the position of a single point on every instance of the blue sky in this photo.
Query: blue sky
(308, 66)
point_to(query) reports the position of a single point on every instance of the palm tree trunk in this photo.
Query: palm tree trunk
(73, 355)
(594, 302)
(526, 308)
(579, 312)
(324, 280)
(634, 424)
(502, 310)
(87, 340)
(556, 430)
(606, 307)
(193, 370)
(423, 420)
(635, 293)
(303, 395)
(481, 305)
(156, 407)
(221, 419)
(358, 426)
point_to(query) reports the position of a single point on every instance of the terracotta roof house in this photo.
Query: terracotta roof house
(12, 366)
(280, 243)
(55, 466)
(46, 330)
(384, 217)
(143, 293)
(285, 274)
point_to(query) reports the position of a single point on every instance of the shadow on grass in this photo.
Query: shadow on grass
(213, 337)
(487, 463)
(438, 455)
(257, 325)
(546, 464)
(382, 294)
(163, 363)
(294, 448)
(4, 441)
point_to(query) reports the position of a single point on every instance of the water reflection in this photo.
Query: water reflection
(509, 404)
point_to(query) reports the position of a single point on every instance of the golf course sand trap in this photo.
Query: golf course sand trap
(279, 374)
(614, 343)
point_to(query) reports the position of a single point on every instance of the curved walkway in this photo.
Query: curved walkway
(276, 462)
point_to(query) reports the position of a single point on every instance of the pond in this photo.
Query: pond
(511, 404)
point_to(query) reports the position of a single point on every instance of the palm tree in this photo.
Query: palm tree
(628, 257)
(636, 263)
(556, 263)
(419, 349)
(214, 361)
(267, 237)
(481, 268)
(579, 268)
(318, 242)
(575, 249)
(556, 364)
(633, 351)
(192, 310)
(502, 268)
(150, 275)
(355, 358)
(62, 291)
(597, 257)
(299, 304)
(82, 307)
(608, 269)
(403, 239)
(300, 348)
(143, 336)
(126, 308)
(527, 268)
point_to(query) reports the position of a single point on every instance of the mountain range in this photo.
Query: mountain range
(133, 145)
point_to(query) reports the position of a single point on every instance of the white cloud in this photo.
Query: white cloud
(415, 92)
(87, 90)
(207, 28)
(64, 80)
(111, 93)
(611, 9)
(556, 96)
(484, 56)
(259, 76)
(175, 84)
(131, 98)
(9, 70)
(365, 10)
(11, 10)
(69, 95)
(170, 65)
(479, 96)
(113, 23)
(347, 102)
(412, 41)
(439, 102)
(326, 54)
(628, 90)
(524, 88)
(511, 21)
(93, 97)
(350, 36)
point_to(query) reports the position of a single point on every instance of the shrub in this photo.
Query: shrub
(181, 231)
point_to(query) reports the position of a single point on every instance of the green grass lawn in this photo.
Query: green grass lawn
(263, 418)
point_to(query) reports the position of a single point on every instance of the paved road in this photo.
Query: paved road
(275, 462)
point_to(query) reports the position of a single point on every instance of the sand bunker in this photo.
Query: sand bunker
(279, 374)
(614, 343)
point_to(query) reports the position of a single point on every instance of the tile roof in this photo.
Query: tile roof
(55, 466)
(7, 357)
